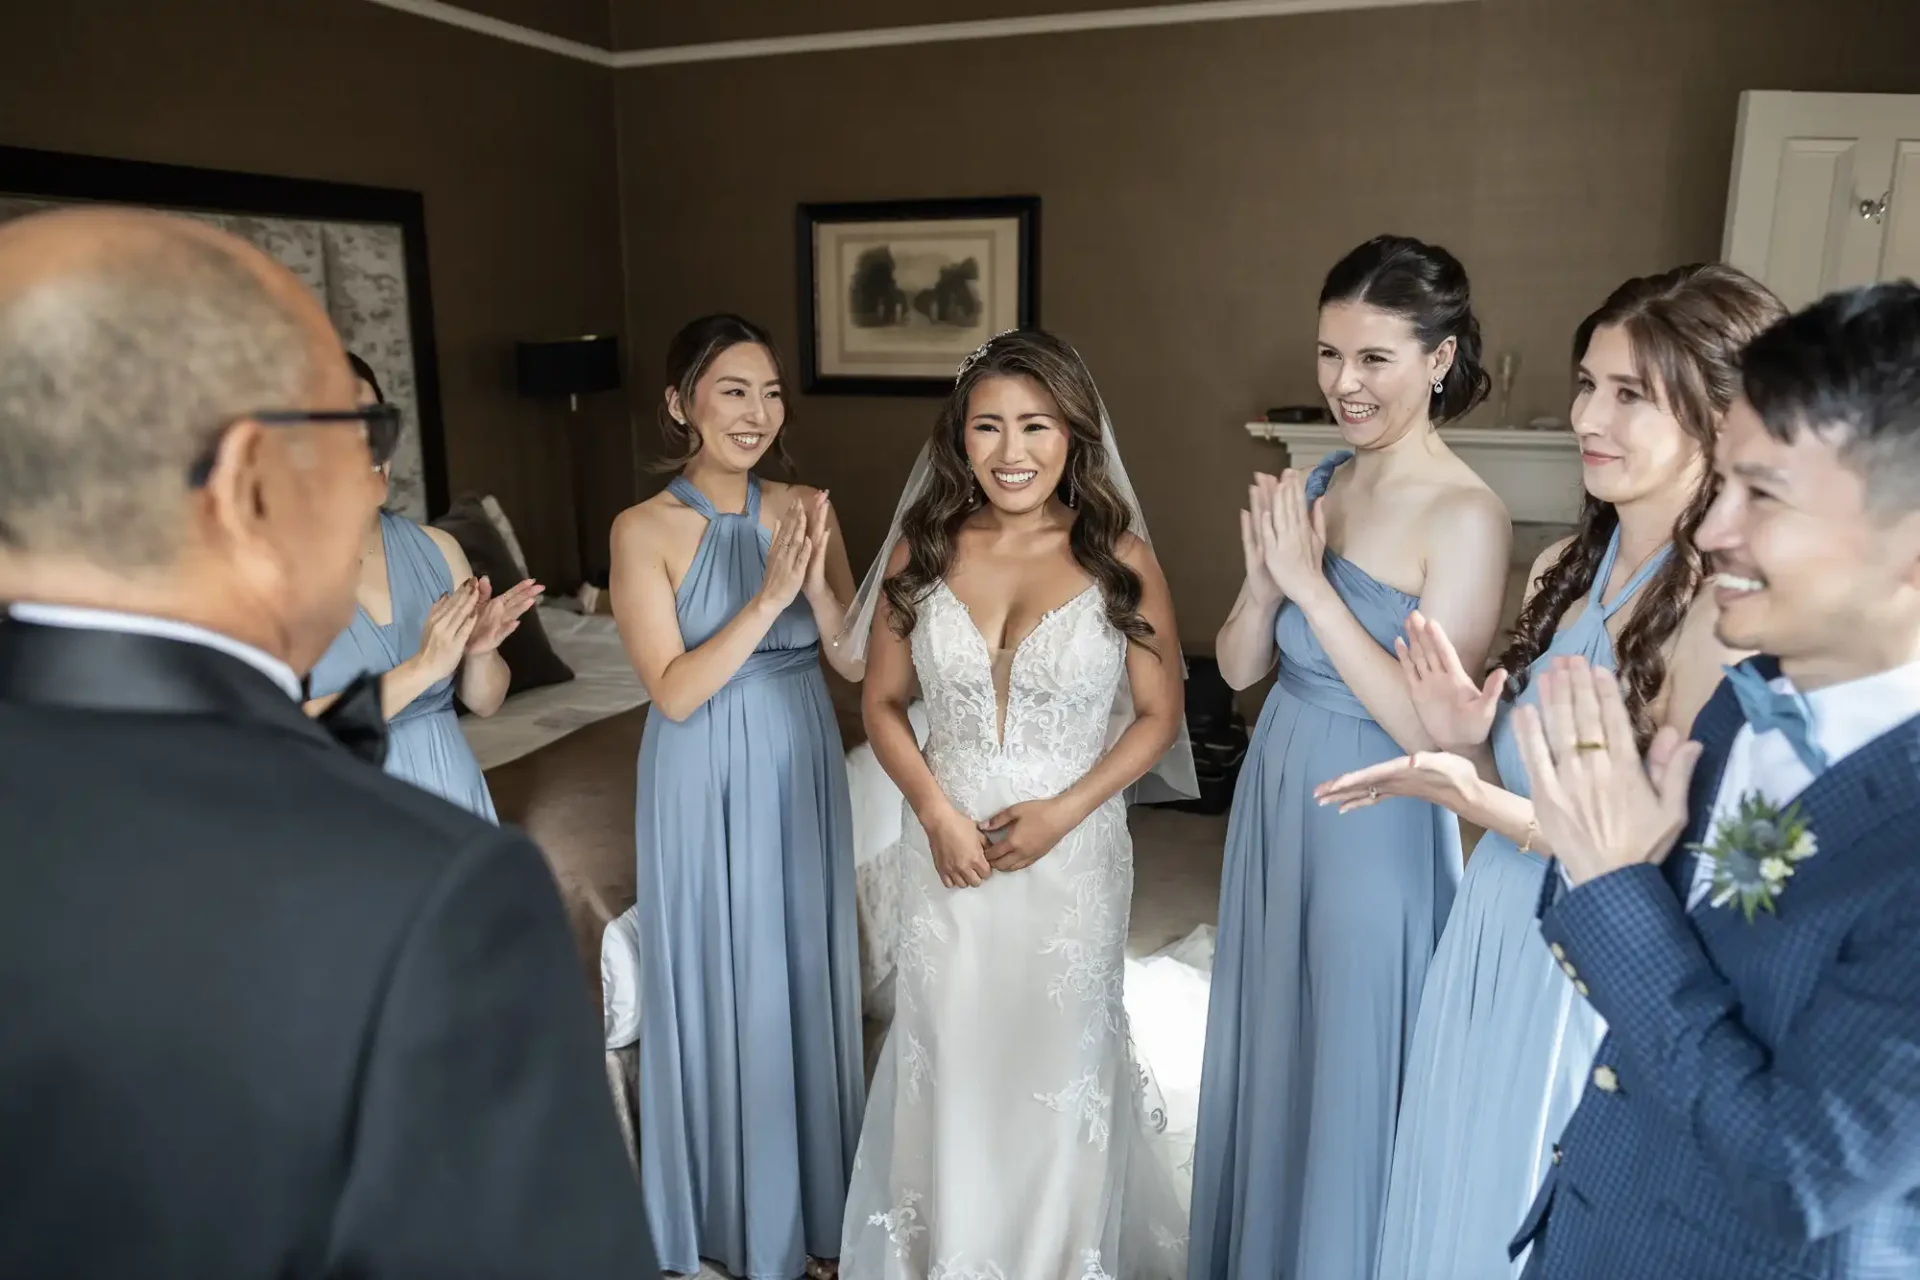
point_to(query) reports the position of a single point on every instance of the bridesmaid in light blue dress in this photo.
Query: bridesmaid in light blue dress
(1326, 927)
(751, 1088)
(425, 745)
(443, 630)
(1504, 1040)
(1497, 1006)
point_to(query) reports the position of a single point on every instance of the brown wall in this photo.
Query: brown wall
(513, 149)
(1197, 181)
(587, 21)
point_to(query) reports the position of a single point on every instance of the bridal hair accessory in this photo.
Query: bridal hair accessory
(978, 352)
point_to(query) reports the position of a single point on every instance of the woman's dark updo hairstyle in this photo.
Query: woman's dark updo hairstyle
(1686, 328)
(364, 371)
(1427, 287)
(691, 353)
(930, 527)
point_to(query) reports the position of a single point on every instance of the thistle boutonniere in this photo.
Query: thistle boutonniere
(1753, 852)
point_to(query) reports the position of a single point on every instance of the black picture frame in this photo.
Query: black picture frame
(25, 171)
(1023, 210)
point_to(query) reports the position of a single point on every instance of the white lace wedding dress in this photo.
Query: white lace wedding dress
(1009, 1131)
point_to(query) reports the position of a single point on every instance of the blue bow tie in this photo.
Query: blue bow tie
(1766, 708)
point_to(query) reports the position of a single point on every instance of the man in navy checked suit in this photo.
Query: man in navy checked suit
(1754, 1111)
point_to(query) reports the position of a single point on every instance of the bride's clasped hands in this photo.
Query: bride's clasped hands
(1022, 834)
(1455, 711)
(959, 849)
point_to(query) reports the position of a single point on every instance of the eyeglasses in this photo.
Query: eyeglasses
(380, 422)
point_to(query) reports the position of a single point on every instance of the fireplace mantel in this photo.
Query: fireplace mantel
(1535, 471)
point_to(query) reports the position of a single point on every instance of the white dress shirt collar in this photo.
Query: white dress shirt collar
(1847, 716)
(86, 619)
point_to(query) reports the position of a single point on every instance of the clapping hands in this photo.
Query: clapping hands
(819, 515)
(789, 558)
(497, 617)
(1601, 807)
(451, 622)
(1283, 537)
(1455, 711)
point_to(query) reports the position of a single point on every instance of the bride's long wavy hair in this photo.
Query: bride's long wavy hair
(929, 528)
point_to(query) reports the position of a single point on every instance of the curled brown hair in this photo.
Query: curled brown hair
(691, 353)
(929, 528)
(1686, 328)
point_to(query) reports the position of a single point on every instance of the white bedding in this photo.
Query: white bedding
(604, 684)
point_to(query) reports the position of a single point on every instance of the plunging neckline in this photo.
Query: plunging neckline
(1003, 702)
(1032, 631)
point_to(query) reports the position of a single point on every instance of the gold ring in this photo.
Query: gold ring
(1589, 746)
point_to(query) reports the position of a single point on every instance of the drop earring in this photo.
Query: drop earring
(1069, 490)
(1439, 385)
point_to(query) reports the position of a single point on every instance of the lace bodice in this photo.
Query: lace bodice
(1061, 685)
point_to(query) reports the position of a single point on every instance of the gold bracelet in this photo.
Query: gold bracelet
(1533, 829)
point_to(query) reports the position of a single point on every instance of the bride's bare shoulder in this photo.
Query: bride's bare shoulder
(1134, 552)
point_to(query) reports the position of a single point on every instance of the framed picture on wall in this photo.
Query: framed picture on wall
(894, 294)
(361, 250)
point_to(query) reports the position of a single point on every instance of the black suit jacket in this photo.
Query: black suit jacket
(266, 1012)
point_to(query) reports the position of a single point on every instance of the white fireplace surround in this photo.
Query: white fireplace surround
(1536, 471)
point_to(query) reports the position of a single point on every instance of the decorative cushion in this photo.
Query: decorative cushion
(498, 516)
(527, 652)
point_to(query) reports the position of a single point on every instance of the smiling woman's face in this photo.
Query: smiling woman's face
(1631, 444)
(738, 406)
(1377, 380)
(1017, 442)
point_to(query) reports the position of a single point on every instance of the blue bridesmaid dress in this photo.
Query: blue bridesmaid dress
(1327, 924)
(1504, 1041)
(751, 1068)
(425, 745)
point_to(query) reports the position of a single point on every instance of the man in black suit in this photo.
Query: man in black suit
(264, 1011)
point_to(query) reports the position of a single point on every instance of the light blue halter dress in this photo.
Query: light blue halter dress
(751, 1067)
(425, 744)
(1504, 1042)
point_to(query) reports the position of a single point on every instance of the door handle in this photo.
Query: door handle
(1875, 210)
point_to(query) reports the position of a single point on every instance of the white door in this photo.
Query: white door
(1825, 192)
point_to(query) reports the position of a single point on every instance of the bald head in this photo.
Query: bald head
(127, 339)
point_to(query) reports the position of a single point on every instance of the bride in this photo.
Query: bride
(1007, 1136)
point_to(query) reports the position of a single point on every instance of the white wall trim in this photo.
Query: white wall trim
(1159, 15)
(467, 20)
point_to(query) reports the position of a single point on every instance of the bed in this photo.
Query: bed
(604, 684)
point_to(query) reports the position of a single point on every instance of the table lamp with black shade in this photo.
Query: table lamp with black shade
(571, 368)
